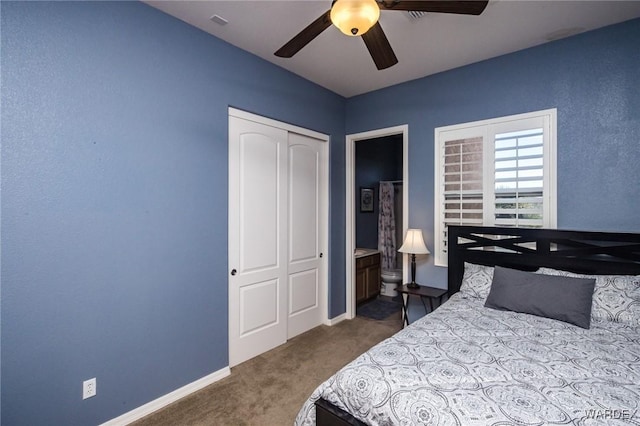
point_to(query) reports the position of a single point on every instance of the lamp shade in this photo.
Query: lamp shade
(355, 17)
(414, 243)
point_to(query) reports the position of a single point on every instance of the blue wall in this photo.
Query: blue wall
(593, 79)
(114, 201)
(114, 179)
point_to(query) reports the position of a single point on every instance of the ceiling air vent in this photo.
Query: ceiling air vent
(219, 20)
(414, 15)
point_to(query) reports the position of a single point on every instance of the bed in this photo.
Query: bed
(508, 362)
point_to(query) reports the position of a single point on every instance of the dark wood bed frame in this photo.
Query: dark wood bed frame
(596, 253)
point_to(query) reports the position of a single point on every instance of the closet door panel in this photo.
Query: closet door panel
(259, 207)
(305, 227)
(257, 239)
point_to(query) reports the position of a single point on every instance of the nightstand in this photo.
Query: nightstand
(423, 292)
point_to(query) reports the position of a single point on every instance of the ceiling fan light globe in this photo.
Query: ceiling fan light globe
(355, 17)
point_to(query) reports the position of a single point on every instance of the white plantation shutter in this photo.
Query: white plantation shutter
(462, 192)
(519, 179)
(498, 172)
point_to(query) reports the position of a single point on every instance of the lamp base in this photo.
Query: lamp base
(413, 284)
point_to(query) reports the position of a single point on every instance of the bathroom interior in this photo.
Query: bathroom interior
(379, 227)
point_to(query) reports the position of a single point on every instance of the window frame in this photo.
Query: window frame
(487, 129)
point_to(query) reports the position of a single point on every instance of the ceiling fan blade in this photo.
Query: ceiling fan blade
(461, 7)
(305, 36)
(379, 47)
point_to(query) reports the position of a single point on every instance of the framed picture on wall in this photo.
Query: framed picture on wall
(366, 199)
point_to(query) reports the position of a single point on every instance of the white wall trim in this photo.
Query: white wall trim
(234, 112)
(351, 205)
(333, 321)
(171, 397)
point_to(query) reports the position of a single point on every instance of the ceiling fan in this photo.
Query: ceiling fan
(360, 18)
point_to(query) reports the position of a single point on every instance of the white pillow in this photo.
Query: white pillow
(476, 281)
(615, 298)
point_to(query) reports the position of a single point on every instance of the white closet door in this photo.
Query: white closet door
(258, 225)
(305, 233)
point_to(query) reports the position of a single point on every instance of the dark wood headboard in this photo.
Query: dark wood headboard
(596, 253)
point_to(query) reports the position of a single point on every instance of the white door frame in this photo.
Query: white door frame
(324, 214)
(350, 204)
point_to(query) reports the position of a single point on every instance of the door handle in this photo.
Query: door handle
(321, 255)
(233, 272)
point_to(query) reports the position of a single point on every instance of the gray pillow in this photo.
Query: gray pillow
(565, 299)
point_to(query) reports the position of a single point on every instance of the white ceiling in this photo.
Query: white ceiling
(433, 43)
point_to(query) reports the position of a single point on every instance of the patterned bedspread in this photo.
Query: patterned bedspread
(465, 364)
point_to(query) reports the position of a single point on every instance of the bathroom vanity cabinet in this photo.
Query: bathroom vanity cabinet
(367, 276)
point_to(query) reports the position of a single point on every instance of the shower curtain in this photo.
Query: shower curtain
(387, 227)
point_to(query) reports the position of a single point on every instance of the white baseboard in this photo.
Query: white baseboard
(336, 320)
(163, 401)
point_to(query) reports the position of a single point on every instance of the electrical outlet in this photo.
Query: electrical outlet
(89, 388)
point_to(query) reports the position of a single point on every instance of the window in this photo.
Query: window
(498, 172)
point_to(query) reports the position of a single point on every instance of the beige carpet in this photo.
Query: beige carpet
(271, 388)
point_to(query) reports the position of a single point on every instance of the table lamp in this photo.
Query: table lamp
(413, 244)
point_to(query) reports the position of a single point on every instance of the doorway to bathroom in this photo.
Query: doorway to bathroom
(377, 218)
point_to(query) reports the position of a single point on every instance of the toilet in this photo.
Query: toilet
(390, 278)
